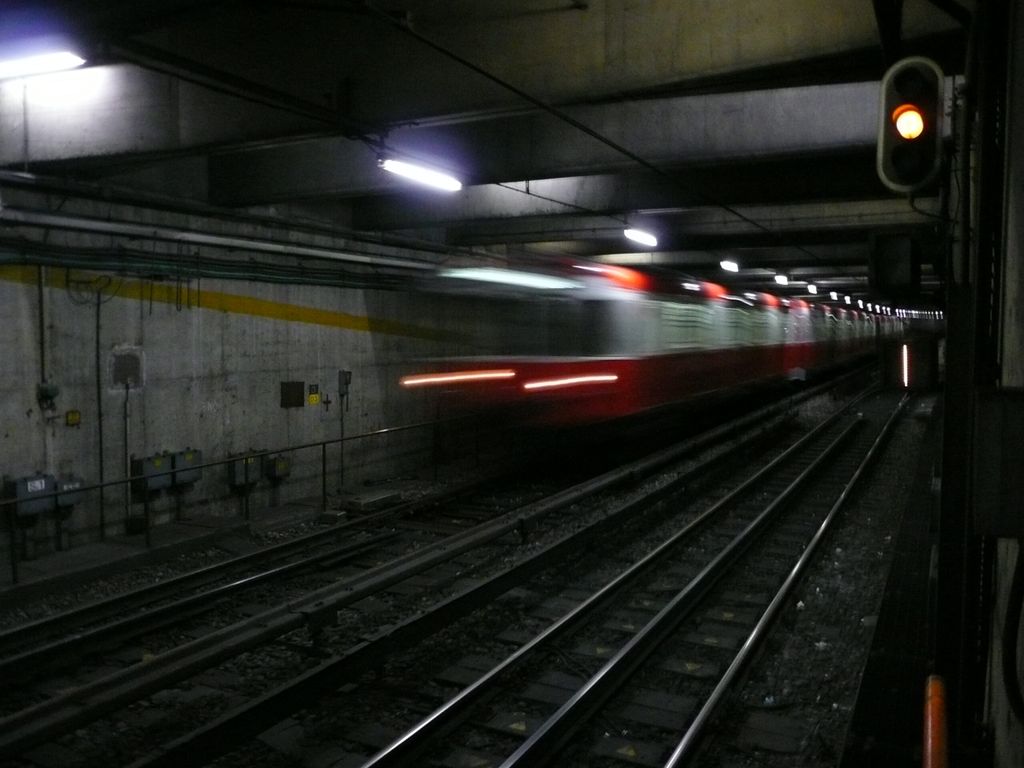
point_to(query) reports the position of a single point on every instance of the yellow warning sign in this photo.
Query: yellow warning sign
(314, 398)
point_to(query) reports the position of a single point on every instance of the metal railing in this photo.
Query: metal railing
(8, 506)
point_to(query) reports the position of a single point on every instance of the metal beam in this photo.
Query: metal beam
(889, 18)
(712, 127)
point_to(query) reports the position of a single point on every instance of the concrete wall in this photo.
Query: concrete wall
(213, 352)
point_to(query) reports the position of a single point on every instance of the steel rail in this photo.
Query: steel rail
(688, 743)
(251, 718)
(550, 736)
(73, 646)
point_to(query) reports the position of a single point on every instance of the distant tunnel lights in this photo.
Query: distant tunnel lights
(39, 64)
(427, 176)
(641, 236)
(729, 266)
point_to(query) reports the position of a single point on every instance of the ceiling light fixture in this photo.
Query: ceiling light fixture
(833, 295)
(39, 64)
(847, 298)
(782, 280)
(729, 266)
(418, 173)
(812, 288)
(641, 236)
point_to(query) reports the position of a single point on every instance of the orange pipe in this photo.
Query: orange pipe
(935, 752)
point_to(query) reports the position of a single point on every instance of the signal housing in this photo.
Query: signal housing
(908, 164)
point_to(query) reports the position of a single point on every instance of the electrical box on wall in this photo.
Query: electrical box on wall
(70, 491)
(293, 394)
(277, 468)
(150, 471)
(127, 368)
(185, 464)
(245, 471)
(27, 490)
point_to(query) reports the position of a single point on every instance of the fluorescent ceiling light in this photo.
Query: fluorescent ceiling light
(860, 303)
(511, 277)
(847, 299)
(729, 266)
(782, 280)
(39, 64)
(812, 288)
(423, 175)
(833, 295)
(640, 236)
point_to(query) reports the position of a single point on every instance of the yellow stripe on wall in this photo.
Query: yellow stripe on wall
(218, 301)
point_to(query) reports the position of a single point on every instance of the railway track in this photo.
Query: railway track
(657, 668)
(125, 628)
(319, 618)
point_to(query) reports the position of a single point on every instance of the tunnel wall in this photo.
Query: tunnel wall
(212, 357)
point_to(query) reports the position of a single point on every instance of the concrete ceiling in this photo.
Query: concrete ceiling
(739, 128)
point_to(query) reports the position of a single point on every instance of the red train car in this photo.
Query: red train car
(591, 343)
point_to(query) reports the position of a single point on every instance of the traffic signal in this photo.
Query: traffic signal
(910, 124)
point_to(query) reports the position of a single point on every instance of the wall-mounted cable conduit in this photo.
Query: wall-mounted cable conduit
(157, 267)
(155, 232)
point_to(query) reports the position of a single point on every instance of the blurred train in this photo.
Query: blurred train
(588, 343)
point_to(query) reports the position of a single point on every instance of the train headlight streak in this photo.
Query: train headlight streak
(691, 286)
(512, 277)
(739, 299)
(729, 266)
(418, 173)
(456, 377)
(570, 381)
